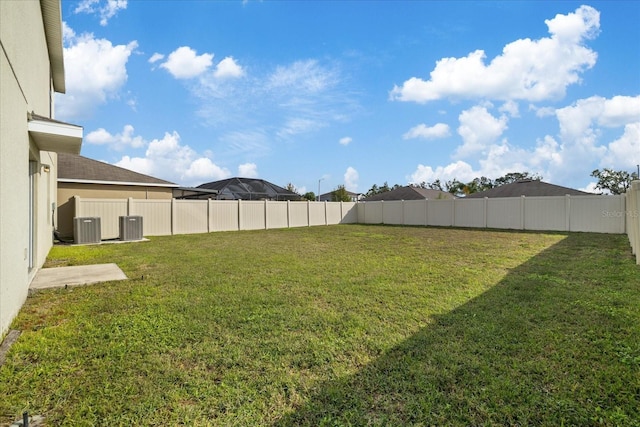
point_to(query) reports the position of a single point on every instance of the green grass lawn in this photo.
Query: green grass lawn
(347, 325)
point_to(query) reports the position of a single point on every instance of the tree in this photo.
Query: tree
(309, 195)
(435, 185)
(478, 184)
(615, 182)
(340, 194)
(372, 191)
(382, 189)
(454, 187)
(291, 188)
(514, 177)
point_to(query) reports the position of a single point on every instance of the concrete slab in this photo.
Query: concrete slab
(76, 275)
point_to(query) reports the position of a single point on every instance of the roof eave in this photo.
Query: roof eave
(56, 136)
(128, 183)
(52, 17)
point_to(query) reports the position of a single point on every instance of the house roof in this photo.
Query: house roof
(52, 20)
(528, 188)
(75, 168)
(238, 188)
(410, 193)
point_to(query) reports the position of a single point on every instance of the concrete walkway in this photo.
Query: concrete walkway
(77, 275)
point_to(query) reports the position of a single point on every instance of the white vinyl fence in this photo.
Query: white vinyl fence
(599, 214)
(165, 217)
(633, 218)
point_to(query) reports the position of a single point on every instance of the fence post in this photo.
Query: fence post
(486, 212)
(239, 214)
(567, 209)
(623, 208)
(308, 213)
(426, 212)
(288, 213)
(633, 214)
(209, 220)
(77, 206)
(453, 213)
(266, 215)
(326, 217)
(173, 216)
(522, 202)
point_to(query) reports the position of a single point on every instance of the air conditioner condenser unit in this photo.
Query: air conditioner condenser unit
(130, 228)
(86, 230)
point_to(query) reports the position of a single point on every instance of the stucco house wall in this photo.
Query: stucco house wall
(27, 174)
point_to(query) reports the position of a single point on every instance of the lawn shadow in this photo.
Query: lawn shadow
(542, 347)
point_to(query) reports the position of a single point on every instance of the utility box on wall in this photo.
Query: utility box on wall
(86, 230)
(130, 228)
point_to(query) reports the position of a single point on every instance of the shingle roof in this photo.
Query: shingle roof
(528, 188)
(249, 189)
(74, 168)
(410, 193)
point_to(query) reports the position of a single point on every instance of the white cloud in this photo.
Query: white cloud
(297, 125)
(105, 10)
(168, 159)
(478, 129)
(527, 69)
(345, 140)
(286, 103)
(156, 57)
(458, 170)
(304, 77)
(511, 108)
(95, 71)
(580, 149)
(184, 63)
(203, 169)
(439, 130)
(228, 68)
(119, 141)
(624, 152)
(248, 170)
(582, 123)
(351, 178)
(591, 188)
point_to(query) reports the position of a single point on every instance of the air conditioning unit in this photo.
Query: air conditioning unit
(130, 228)
(86, 230)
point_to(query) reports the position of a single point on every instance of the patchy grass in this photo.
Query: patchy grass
(337, 326)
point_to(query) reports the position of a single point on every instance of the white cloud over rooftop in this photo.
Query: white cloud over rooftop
(533, 70)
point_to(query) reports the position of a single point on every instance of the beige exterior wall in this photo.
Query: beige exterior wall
(25, 86)
(67, 191)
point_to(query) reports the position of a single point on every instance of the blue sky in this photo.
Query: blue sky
(354, 93)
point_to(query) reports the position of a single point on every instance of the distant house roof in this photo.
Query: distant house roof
(249, 189)
(329, 196)
(410, 193)
(74, 168)
(528, 188)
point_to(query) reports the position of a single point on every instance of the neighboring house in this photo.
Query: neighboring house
(528, 188)
(328, 197)
(410, 193)
(84, 177)
(247, 189)
(31, 70)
